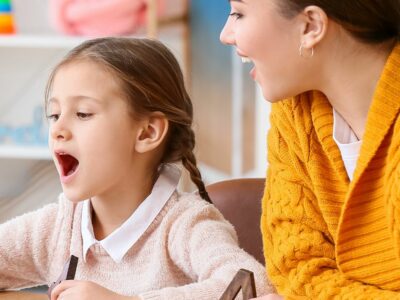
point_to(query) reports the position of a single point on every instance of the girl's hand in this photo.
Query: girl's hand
(269, 297)
(85, 290)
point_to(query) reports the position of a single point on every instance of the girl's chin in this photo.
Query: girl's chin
(73, 197)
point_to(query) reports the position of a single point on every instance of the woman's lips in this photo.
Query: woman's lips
(253, 73)
(247, 60)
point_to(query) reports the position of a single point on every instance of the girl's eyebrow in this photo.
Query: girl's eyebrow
(77, 98)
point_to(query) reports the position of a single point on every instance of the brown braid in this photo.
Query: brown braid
(180, 146)
(189, 162)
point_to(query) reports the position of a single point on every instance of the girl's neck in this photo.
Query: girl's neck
(111, 210)
(350, 82)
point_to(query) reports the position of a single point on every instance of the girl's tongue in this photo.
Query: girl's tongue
(68, 164)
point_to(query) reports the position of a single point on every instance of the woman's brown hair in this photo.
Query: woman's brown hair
(370, 21)
(152, 81)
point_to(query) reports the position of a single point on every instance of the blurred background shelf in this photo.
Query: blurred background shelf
(52, 41)
(28, 178)
(39, 41)
(25, 152)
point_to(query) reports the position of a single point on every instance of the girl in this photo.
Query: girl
(331, 218)
(119, 114)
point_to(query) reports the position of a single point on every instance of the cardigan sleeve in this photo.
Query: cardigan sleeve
(205, 247)
(25, 248)
(299, 250)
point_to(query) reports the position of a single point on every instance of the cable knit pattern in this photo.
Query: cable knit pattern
(324, 237)
(188, 252)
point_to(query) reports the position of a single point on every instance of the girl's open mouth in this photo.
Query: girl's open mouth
(68, 164)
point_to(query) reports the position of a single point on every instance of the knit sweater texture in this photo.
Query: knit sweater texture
(325, 237)
(188, 252)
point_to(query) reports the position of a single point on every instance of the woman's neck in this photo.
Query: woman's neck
(350, 81)
(111, 210)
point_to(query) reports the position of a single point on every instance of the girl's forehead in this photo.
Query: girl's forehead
(83, 63)
(84, 78)
(85, 72)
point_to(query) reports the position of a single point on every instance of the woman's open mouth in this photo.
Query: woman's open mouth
(68, 165)
(247, 60)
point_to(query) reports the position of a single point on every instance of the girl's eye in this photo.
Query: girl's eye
(236, 15)
(53, 117)
(83, 116)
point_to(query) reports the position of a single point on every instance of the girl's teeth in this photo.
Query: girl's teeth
(246, 60)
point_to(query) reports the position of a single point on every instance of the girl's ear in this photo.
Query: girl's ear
(152, 132)
(315, 25)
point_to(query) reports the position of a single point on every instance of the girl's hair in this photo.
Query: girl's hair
(370, 21)
(152, 81)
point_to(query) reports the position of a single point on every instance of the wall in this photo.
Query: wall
(231, 116)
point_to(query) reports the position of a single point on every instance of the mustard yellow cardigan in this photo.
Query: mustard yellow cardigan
(325, 237)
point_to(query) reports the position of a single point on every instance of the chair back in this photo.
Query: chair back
(239, 201)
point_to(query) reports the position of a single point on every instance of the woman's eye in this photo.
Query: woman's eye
(53, 117)
(236, 15)
(83, 116)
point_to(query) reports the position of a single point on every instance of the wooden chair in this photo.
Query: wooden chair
(239, 200)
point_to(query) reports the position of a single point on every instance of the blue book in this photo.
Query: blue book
(5, 7)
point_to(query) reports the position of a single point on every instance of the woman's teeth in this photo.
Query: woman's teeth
(246, 60)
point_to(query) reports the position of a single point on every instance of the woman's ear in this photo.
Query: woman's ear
(152, 132)
(315, 25)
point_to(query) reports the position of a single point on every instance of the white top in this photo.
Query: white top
(124, 237)
(348, 143)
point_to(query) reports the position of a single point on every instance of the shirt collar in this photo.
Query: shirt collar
(123, 238)
(342, 132)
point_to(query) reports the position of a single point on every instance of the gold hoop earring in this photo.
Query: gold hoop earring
(301, 51)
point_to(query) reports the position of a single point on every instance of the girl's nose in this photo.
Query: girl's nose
(59, 131)
(227, 35)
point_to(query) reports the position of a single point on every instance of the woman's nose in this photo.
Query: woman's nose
(227, 35)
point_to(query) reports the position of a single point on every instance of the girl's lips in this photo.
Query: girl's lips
(65, 179)
(68, 166)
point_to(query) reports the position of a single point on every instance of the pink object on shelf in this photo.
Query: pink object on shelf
(99, 17)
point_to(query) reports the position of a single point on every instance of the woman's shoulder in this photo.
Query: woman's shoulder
(290, 108)
(300, 115)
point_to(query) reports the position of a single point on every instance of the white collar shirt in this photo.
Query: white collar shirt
(124, 237)
(348, 143)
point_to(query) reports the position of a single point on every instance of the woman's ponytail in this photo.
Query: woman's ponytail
(370, 21)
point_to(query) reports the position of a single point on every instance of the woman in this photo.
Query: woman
(331, 209)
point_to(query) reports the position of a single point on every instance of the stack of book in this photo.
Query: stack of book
(6, 17)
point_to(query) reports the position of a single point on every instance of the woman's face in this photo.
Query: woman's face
(259, 32)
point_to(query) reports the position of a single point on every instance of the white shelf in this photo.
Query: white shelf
(24, 152)
(39, 41)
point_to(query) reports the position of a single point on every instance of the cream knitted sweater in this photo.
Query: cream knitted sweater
(188, 252)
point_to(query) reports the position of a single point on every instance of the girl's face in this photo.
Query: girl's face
(92, 133)
(271, 41)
